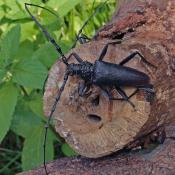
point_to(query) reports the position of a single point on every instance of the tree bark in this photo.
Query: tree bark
(147, 26)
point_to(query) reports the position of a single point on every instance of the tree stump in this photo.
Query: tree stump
(95, 126)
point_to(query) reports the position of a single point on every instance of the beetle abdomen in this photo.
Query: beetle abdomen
(106, 73)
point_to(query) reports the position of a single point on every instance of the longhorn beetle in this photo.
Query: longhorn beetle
(100, 73)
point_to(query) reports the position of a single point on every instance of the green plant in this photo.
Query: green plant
(25, 58)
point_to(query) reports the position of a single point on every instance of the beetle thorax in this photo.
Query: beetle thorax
(83, 70)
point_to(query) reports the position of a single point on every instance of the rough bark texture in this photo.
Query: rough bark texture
(147, 26)
(161, 161)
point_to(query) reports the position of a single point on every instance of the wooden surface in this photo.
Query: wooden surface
(87, 136)
(160, 161)
(153, 26)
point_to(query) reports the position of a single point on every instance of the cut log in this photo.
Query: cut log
(95, 126)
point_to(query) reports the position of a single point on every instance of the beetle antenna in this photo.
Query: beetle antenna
(86, 22)
(46, 33)
(66, 75)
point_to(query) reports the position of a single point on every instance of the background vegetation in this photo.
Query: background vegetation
(25, 58)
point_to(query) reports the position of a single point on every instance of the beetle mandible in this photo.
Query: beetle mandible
(100, 73)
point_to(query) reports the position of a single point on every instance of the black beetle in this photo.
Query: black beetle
(101, 73)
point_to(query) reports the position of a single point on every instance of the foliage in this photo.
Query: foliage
(25, 58)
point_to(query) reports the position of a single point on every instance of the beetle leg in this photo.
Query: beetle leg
(122, 93)
(132, 55)
(105, 48)
(83, 39)
(109, 95)
(148, 88)
(83, 88)
(76, 56)
(135, 92)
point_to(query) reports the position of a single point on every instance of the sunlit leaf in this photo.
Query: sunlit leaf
(16, 14)
(50, 17)
(63, 7)
(2, 12)
(28, 31)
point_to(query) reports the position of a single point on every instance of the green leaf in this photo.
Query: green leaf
(64, 6)
(2, 12)
(47, 54)
(67, 150)
(2, 74)
(24, 121)
(11, 3)
(10, 44)
(29, 73)
(28, 125)
(47, 18)
(32, 155)
(8, 99)
(36, 105)
(1, 3)
(25, 50)
(31, 127)
(16, 14)
(28, 31)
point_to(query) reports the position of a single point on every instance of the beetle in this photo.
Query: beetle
(100, 73)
